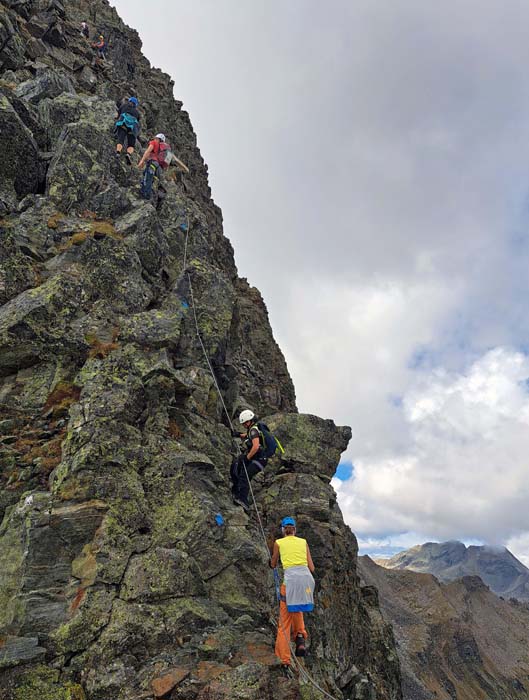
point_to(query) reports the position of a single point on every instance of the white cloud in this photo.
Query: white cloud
(463, 473)
(350, 346)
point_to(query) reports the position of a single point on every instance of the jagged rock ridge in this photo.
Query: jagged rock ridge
(455, 640)
(496, 566)
(116, 580)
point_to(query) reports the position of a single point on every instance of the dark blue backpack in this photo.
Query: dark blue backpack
(269, 443)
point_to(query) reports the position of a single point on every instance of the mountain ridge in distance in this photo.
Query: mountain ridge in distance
(498, 568)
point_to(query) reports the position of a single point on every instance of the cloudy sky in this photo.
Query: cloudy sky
(379, 150)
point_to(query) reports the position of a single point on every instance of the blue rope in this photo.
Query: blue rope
(277, 585)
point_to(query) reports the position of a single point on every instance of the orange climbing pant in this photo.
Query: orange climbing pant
(290, 625)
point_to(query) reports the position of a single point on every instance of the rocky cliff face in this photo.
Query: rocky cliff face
(116, 581)
(496, 566)
(456, 641)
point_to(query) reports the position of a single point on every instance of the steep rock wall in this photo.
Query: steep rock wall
(114, 450)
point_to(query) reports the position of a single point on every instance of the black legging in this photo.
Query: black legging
(241, 485)
(125, 137)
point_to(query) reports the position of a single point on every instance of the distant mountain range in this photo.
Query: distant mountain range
(496, 566)
(455, 641)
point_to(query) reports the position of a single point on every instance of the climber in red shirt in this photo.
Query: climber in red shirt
(157, 157)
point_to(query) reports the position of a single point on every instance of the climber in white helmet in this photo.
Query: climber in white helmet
(157, 157)
(246, 466)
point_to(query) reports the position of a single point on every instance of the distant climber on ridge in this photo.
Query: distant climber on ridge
(101, 47)
(260, 445)
(127, 127)
(84, 30)
(297, 589)
(157, 157)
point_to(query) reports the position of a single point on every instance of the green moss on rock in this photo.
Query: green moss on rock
(42, 683)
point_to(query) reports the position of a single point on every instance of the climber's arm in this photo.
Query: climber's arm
(254, 449)
(275, 556)
(309, 560)
(144, 157)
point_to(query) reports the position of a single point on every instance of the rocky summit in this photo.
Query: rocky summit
(456, 641)
(496, 566)
(117, 578)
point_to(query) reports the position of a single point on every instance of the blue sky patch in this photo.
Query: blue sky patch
(344, 471)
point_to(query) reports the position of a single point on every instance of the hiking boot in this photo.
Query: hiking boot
(300, 645)
(285, 670)
(244, 505)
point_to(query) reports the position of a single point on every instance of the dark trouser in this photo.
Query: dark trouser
(125, 136)
(152, 171)
(241, 484)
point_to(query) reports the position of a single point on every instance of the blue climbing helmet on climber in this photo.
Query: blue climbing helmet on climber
(288, 521)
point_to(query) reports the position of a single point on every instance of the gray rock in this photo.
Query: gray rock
(87, 79)
(19, 171)
(19, 650)
(48, 83)
(11, 45)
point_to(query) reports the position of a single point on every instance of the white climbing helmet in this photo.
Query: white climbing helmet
(246, 415)
(161, 137)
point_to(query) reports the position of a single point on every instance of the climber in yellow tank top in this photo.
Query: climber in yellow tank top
(293, 551)
(294, 554)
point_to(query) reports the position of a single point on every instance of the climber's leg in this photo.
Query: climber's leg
(235, 475)
(282, 649)
(252, 468)
(298, 625)
(147, 180)
(121, 134)
(131, 142)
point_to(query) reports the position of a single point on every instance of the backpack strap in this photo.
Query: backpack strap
(262, 441)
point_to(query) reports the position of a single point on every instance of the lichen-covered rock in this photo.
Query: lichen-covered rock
(11, 45)
(19, 172)
(118, 578)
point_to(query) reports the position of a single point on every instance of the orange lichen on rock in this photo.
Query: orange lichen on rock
(55, 219)
(62, 397)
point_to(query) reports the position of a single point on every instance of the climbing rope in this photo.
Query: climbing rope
(185, 244)
(301, 669)
(225, 410)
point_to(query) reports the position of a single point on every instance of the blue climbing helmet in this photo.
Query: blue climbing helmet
(288, 521)
(134, 101)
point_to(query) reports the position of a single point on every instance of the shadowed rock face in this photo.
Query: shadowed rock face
(496, 566)
(116, 581)
(456, 641)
